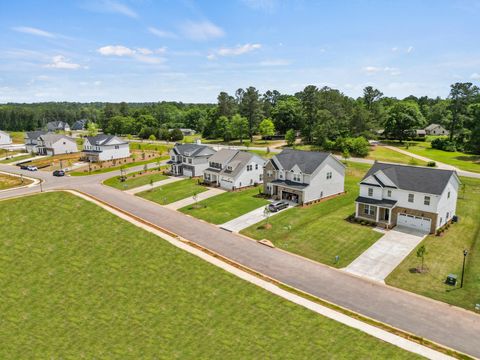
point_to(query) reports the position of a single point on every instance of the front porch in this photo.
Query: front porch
(378, 211)
(283, 192)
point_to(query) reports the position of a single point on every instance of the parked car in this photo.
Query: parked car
(32, 168)
(277, 206)
(59, 173)
(23, 167)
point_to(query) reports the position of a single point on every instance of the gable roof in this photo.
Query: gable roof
(414, 178)
(34, 134)
(193, 150)
(53, 138)
(56, 125)
(433, 126)
(222, 156)
(238, 163)
(103, 139)
(307, 161)
(79, 124)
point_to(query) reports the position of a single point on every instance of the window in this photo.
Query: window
(369, 210)
(389, 193)
(256, 166)
(280, 175)
(370, 192)
(411, 198)
(296, 177)
(189, 161)
(426, 200)
(448, 196)
(329, 175)
(261, 177)
(447, 217)
(441, 220)
(269, 173)
(249, 167)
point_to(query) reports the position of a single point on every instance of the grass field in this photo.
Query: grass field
(16, 158)
(18, 137)
(102, 288)
(445, 256)
(320, 232)
(262, 153)
(161, 148)
(114, 168)
(8, 182)
(135, 179)
(381, 153)
(53, 162)
(227, 206)
(463, 161)
(172, 192)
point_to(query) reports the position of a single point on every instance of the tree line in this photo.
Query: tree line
(324, 117)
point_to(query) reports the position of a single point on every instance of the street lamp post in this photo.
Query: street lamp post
(465, 253)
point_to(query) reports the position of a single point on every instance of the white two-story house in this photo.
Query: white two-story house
(234, 169)
(416, 197)
(189, 159)
(5, 138)
(303, 176)
(31, 140)
(55, 144)
(104, 148)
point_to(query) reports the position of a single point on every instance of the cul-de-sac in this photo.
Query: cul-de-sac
(239, 180)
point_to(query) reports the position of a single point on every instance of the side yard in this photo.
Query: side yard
(320, 231)
(445, 255)
(227, 206)
(8, 182)
(136, 179)
(173, 192)
(381, 153)
(101, 170)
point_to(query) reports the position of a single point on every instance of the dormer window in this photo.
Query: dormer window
(389, 193)
(329, 175)
(296, 177)
(370, 192)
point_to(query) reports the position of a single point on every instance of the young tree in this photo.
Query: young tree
(290, 137)
(92, 129)
(421, 252)
(266, 128)
(152, 137)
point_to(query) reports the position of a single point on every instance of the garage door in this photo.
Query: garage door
(415, 222)
(187, 172)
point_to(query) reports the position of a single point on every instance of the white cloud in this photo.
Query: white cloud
(370, 70)
(111, 6)
(60, 62)
(141, 54)
(116, 50)
(475, 76)
(275, 62)
(394, 49)
(202, 30)
(238, 50)
(161, 33)
(145, 51)
(33, 31)
(410, 49)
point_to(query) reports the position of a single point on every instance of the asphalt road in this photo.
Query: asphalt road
(436, 321)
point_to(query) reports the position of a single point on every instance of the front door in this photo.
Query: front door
(386, 215)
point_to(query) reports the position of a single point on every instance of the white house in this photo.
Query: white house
(416, 197)
(234, 169)
(189, 159)
(31, 140)
(436, 129)
(55, 144)
(303, 176)
(105, 147)
(5, 138)
(58, 126)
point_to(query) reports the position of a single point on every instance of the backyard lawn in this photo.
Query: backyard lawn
(172, 192)
(320, 232)
(135, 179)
(227, 206)
(8, 182)
(463, 161)
(381, 153)
(445, 255)
(102, 288)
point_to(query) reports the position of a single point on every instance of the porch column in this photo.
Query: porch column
(389, 216)
(377, 214)
(356, 209)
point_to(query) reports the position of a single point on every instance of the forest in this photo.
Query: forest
(324, 117)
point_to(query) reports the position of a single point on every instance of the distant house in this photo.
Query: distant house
(189, 159)
(436, 129)
(31, 140)
(58, 126)
(303, 176)
(420, 133)
(55, 144)
(188, 132)
(5, 138)
(416, 197)
(234, 169)
(79, 125)
(105, 147)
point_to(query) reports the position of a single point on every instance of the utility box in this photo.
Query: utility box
(451, 279)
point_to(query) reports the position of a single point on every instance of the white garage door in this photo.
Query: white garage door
(415, 222)
(187, 172)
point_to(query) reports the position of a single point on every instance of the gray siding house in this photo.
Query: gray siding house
(55, 144)
(189, 159)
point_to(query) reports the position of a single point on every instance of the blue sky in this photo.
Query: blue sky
(154, 50)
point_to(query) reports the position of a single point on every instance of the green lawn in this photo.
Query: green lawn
(8, 182)
(114, 168)
(18, 137)
(161, 148)
(86, 284)
(445, 256)
(16, 158)
(172, 192)
(227, 206)
(463, 161)
(134, 180)
(320, 231)
(382, 153)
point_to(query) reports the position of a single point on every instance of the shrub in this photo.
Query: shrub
(431, 164)
(444, 144)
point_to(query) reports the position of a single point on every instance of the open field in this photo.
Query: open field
(145, 146)
(103, 288)
(381, 153)
(445, 255)
(16, 158)
(172, 192)
(50, 163)
(135, 179)
(8, 182)
(227, 206)
(85, 172)
(463, 161)
(18, 137)
(320, 231)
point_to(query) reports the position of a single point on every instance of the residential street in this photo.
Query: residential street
(439, 322)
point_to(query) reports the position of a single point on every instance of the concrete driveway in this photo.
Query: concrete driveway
(380, 259)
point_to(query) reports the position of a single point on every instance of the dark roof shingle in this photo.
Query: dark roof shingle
(307, 161)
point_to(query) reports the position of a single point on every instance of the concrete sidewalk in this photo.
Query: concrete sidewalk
(380, 259)
(248, 219)
(190, 200)
(154, 185)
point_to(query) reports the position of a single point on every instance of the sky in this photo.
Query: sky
(185, 50)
